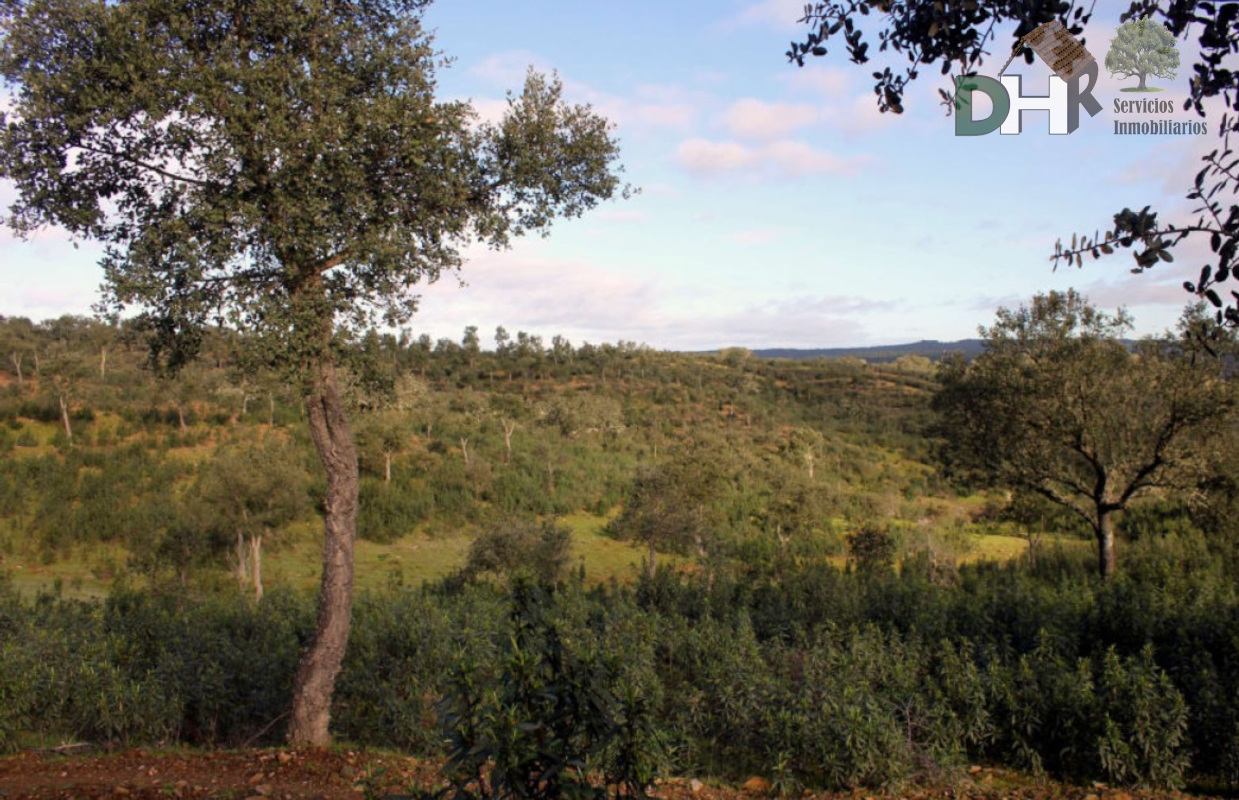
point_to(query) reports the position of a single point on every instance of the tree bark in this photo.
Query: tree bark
(256, 564)
(64, 417)
(320, 663)
(508, 428)
(17, 362)
(1106, 562)
(386, 467)
(242, 570)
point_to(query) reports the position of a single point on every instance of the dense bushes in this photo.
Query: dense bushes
(818, 677)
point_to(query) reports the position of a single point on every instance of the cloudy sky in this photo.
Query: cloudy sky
(777, 206)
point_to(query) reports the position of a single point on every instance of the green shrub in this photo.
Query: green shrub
(546, 719)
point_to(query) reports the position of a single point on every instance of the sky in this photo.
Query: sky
(777, 206)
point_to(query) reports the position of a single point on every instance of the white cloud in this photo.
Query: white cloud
(650, 107)
(704, 158)
(543, 295)
(507, 69)
(830, 82)
(751, 118)
(526, 291)
(781, 14)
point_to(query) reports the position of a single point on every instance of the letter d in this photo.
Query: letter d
(965, 125)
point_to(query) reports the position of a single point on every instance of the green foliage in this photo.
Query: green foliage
(1140, 48)
(872, 549)
(548, 721)
(520, 547)
(1058, 405)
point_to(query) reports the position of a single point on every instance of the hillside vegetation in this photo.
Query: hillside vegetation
(823, 608)
(113, 470)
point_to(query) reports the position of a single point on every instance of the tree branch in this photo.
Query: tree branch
(148, 167)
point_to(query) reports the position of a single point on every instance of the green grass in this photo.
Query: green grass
(86, 573)
(293, 558)
(606, 558)
(996, 547)
(422, 557)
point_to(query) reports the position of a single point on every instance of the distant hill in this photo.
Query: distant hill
(929, 348)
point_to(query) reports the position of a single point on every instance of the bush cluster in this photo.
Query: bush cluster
(815, 677)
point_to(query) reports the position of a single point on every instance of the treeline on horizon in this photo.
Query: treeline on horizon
(756, 652)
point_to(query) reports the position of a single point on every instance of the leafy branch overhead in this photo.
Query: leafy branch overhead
(955, 35)
(951, 35)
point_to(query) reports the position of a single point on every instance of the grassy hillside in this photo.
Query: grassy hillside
(123, 480)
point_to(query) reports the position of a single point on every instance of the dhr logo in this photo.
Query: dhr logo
(1070, 62)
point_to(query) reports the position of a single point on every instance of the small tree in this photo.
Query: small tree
(63, 373)
(1057, 404)
(512, 547)
(675, 505)
(872, 549)
(248, 492)
(1142, 47)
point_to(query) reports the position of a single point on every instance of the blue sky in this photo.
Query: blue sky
(777, 206)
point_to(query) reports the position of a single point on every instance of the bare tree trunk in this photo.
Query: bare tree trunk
(1106, 560)
(242, 562)
(180, 417)
(652, 566)
(271, 410)
(103, 363)
(320, 663)
(387, 467)
(256, 564)
(64, 417)
(464, 449)
(508, 428)
(17, 363)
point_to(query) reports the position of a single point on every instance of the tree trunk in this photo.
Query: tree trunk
(64, 417)
(242, 570)
(103, 363)
(180, 418)
(256, 564)
(320, 663)
(1143, 78)
(508, 428)
(1106, 563)
(271, 410)
(464, 449)
(652, 567)
(17, 362)
(386, 467)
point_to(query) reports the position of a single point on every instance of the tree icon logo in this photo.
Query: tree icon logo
(1140, 48)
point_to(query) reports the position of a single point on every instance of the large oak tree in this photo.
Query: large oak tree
(1058, 404)
(283, 167)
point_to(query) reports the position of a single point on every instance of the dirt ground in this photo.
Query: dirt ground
(341, 774)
